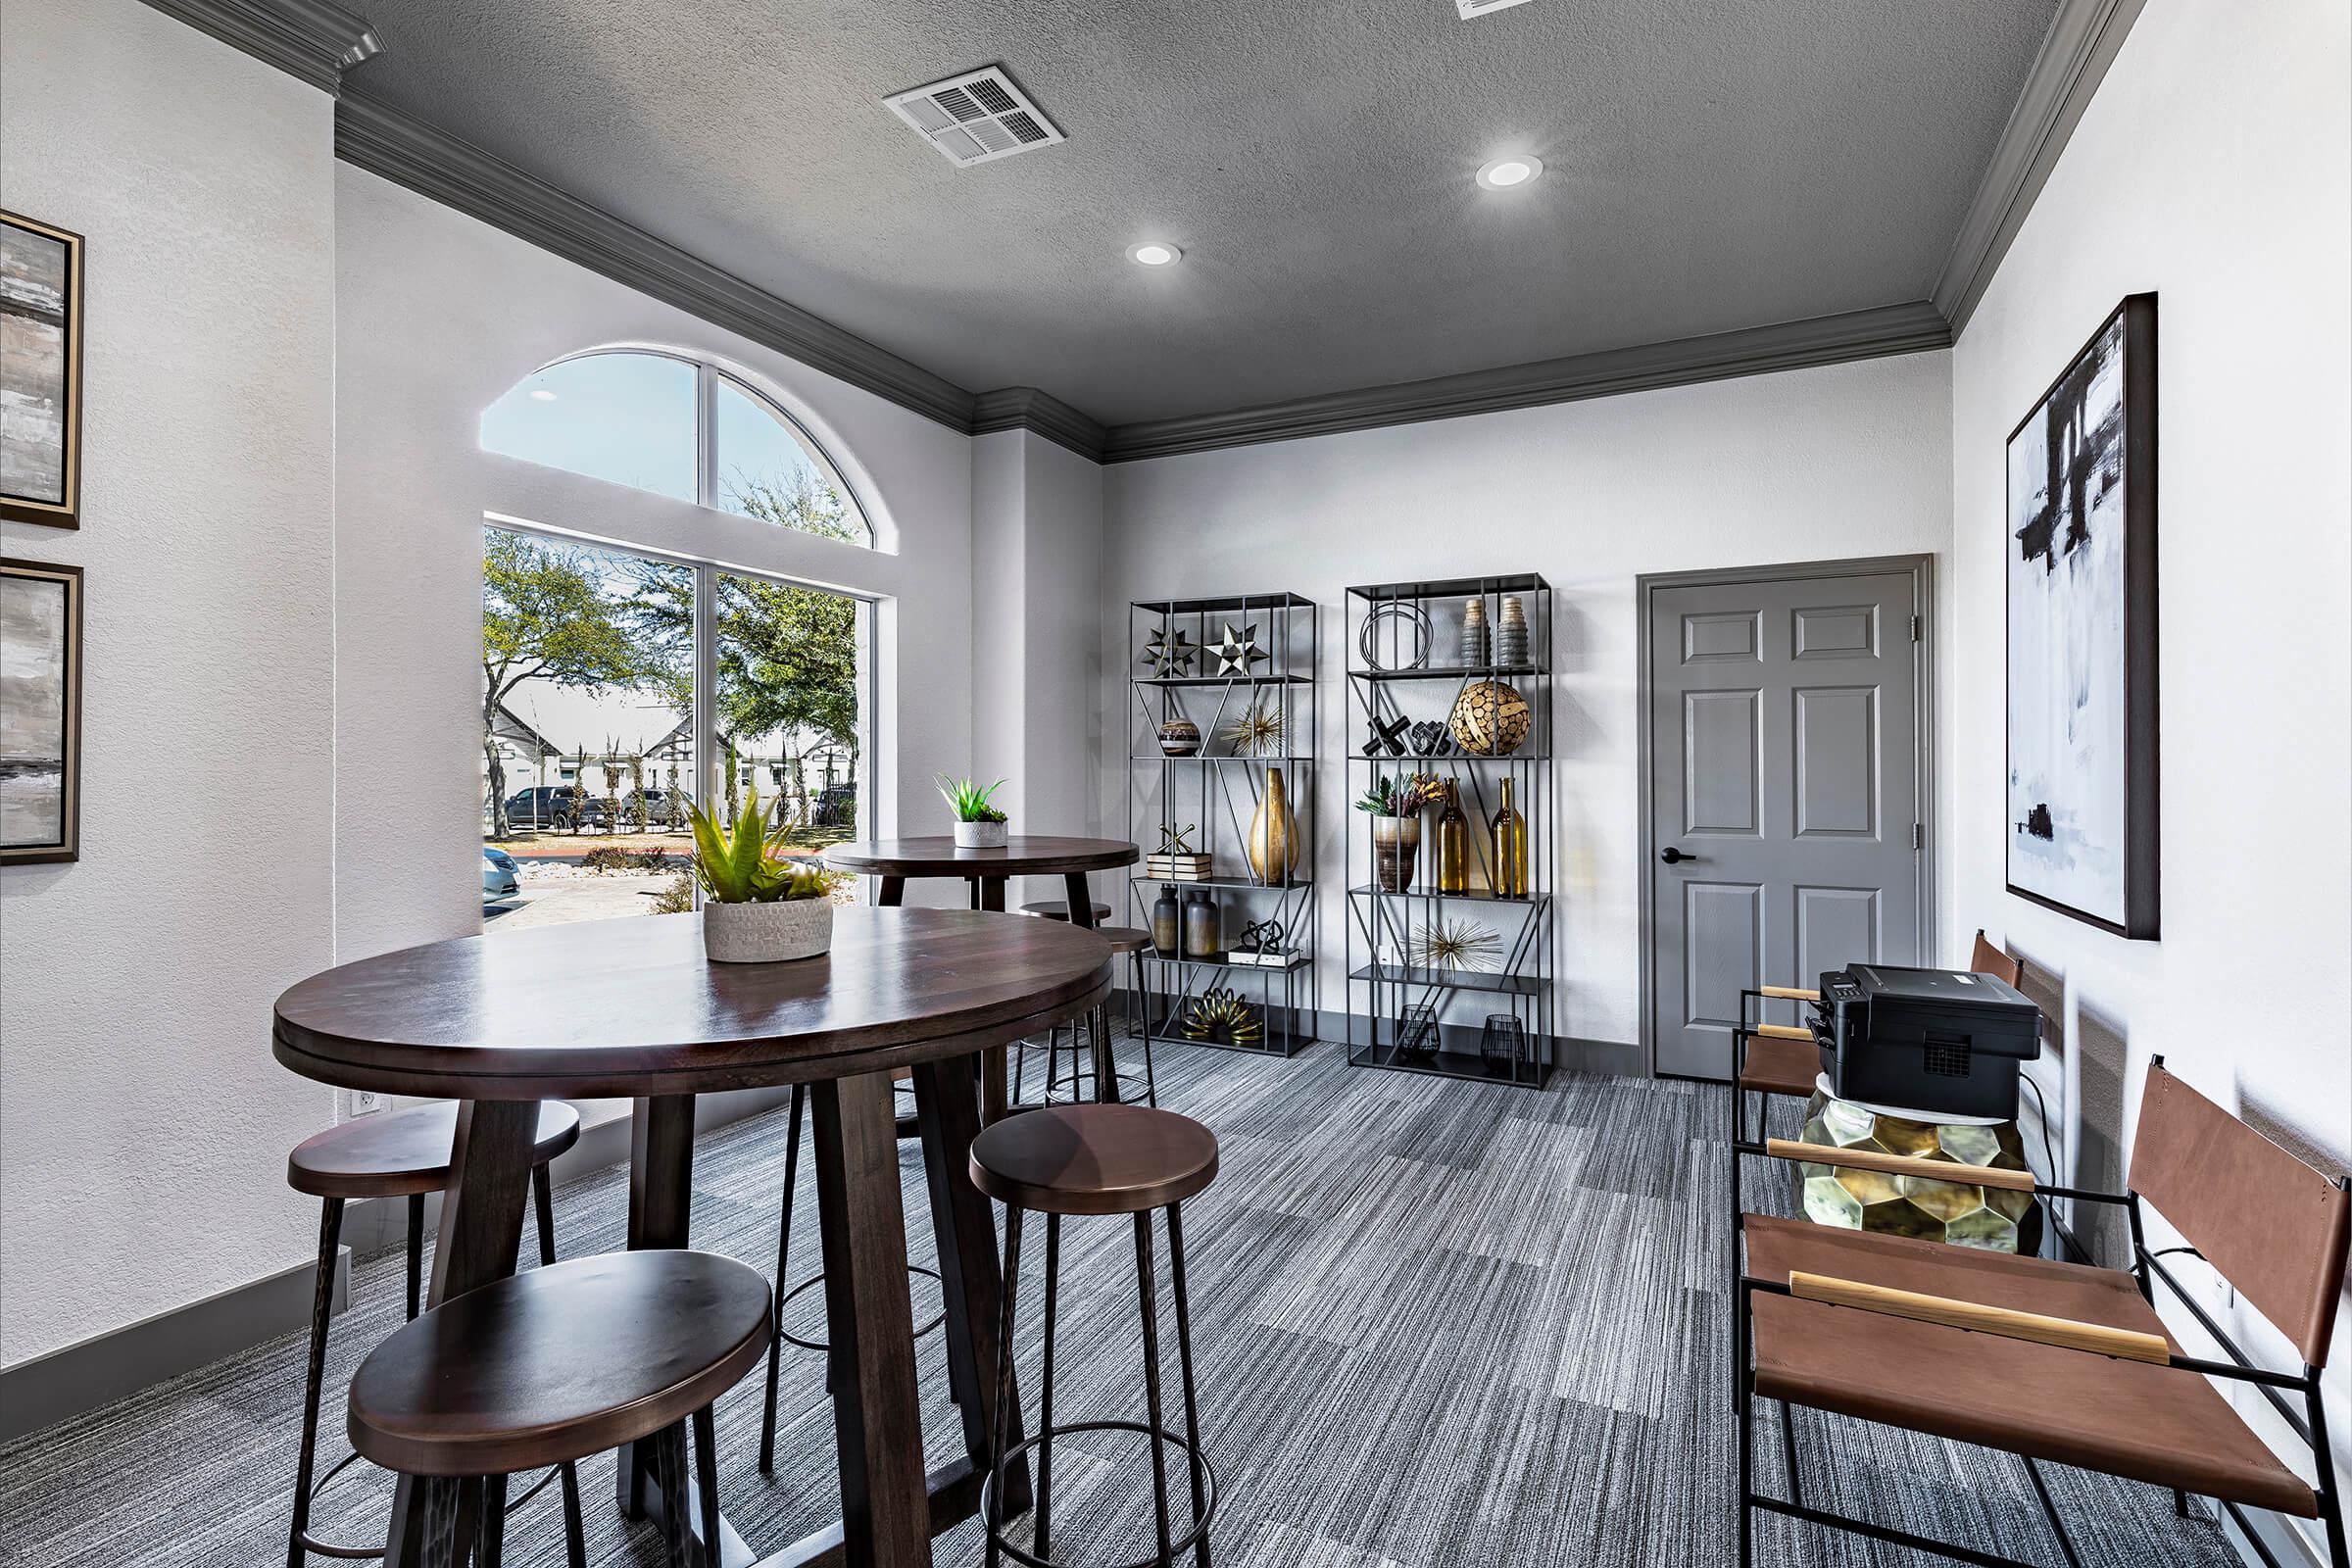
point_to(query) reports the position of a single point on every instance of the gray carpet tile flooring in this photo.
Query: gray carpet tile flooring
(1436, 1323)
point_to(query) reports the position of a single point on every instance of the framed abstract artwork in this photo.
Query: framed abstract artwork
(2081, 643)
(40, 372)
(40, 710)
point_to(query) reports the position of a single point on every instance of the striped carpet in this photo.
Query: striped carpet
(1437, 1323)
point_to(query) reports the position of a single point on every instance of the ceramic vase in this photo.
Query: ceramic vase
(981, 835)
(1202, 928)
(1474, 633)
(767, 933)
(1273, 842)
(1396, 845)
(1167, 924)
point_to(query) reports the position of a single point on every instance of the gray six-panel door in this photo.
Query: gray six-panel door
(1783, 789)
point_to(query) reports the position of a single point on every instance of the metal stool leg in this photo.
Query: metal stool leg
(1000, 1439)
(1148, 1288)
(670, 1474)
(1143, 1005)
(491, 1541)
(1043, 1547)
(1184, 1359)
(322, 1301)
(415, 1252)
(775, 1341)
(575, 1533)
(706, 1479)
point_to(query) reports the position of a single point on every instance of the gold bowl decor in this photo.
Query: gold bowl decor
(1490, 718)
(1960, 1213)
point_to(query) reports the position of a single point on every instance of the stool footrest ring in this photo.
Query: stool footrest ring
(1177, 1545)
(815, 1280)
(347, 1554)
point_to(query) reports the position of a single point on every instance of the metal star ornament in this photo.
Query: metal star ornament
(1168, 653)
(1238, 651)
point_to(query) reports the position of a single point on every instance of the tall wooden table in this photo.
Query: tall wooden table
(630, 1008)
(983, 873)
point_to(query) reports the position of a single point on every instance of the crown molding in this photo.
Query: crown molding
(382, 141)
(1025, 408)
(312, 39)
(2081, 42)
(1756, 351)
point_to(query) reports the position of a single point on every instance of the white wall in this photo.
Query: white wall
(143, 1126)
(439, 315)
(1847, 461)
(1037, 582)
(2215, 167)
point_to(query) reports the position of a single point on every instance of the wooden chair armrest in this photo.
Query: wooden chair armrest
(2007, 1322)
(1935, 1170)
(1779, 1031)
(1789, 993)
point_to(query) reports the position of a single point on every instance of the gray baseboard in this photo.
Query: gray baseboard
(99, 1370)
(1569, 1052)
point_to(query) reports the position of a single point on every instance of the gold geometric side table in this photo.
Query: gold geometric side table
(1960, 1213)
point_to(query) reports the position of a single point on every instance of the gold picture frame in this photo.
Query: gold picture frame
(40, 733)
(41, 372)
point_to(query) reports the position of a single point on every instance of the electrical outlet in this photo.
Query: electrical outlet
(362, 1103)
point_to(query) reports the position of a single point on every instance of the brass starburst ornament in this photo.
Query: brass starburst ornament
(1259, 731)
(1219, 1015)
(1459, 945)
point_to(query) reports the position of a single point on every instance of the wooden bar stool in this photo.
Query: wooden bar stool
(551, 1366)
(1132, 943)
(1058, 910)
(780, 1336)
(400, 1153)
(1098, 1159)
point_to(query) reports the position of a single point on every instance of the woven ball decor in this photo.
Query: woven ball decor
(1491, 719)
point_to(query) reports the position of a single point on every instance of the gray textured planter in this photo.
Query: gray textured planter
(981, 835)
(767, 933)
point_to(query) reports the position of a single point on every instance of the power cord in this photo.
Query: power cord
(2041, 1110)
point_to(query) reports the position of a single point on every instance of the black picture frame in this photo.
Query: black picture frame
(2138, 835)
(66, 844)
(52, 268)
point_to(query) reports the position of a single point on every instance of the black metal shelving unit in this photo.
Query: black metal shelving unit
(1386, 930)
(1215, 793)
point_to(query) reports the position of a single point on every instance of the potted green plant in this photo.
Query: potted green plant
(1395, 806)
(979, 825)
(757, 906)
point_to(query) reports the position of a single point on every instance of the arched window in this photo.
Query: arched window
(676, 428)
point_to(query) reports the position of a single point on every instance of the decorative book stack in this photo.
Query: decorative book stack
(1176, 867)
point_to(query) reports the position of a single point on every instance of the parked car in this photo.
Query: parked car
(554, 805)
(499, 878)
(836, 806)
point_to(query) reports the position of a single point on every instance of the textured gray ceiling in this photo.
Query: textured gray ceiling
(1710, 165)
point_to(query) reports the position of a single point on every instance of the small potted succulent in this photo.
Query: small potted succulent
(757, 906)
(1395, 806)
(979, 825)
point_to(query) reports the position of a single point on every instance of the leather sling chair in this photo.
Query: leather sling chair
(2052, 1360)
(1779, 1058)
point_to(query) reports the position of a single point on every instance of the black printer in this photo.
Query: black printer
(1946, 1040)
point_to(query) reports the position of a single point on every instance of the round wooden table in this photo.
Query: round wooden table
(630, 1008)
(894, 860)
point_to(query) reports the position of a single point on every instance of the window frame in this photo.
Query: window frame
(708, 375)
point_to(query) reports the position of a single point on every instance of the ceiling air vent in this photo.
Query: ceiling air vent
(1479, 8)
(976, 117)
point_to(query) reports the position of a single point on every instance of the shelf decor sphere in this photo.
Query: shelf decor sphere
(1491, 719)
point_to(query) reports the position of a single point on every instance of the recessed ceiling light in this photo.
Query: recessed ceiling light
(541, 394)
(1155, 253)
(1504, 173)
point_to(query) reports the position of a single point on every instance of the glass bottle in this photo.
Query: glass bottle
(1454, 842)
(1509, 841)
(1202, 928)
(1167, 924)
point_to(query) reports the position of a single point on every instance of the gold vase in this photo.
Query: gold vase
(1508, 867)
(1273, 842)
(1454, 842)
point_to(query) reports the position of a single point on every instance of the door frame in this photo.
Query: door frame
(1921, 568)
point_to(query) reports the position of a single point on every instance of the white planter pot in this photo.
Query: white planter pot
(767, 933)
(981, 835)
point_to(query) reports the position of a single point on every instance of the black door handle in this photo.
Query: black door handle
(1674, 857)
